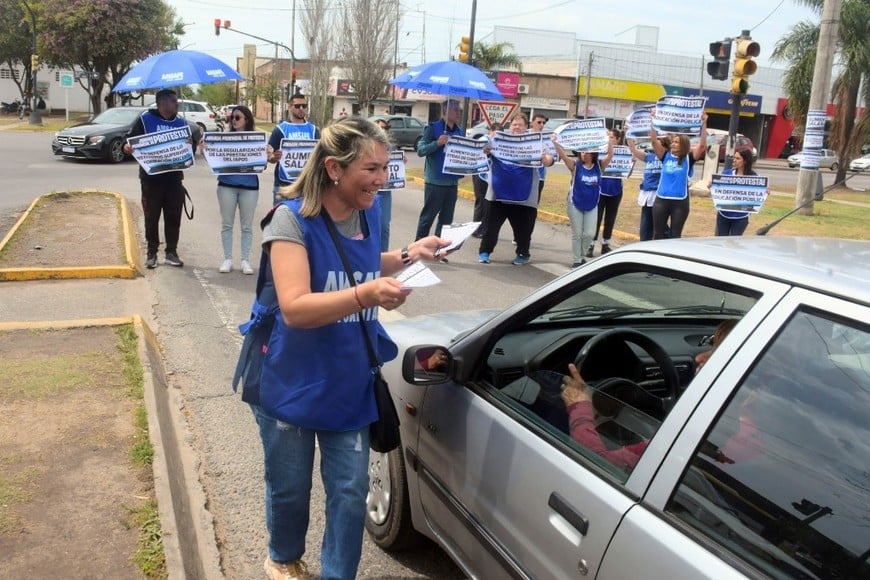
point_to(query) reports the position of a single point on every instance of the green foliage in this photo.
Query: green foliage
(217, 94)
(16, 38)
(149, 556)
(496, 56)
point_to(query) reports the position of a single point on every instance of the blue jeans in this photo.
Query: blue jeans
(288, 461)
(386, 196)
(438, 201)
(246, 200)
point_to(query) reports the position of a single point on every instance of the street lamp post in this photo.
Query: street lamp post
(34, 65)
(464, 122)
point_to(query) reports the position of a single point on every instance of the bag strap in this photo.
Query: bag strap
(333, 233)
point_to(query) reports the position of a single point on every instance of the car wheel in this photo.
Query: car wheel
(835, 166)
(116, 150)
(388, 509)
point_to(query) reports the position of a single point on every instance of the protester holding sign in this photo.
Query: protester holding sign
(512, 196)
(730, 222)
(386, 195)
(610, 198)
(583, 195)
(672, 196)
(652, 173)
(297, 127)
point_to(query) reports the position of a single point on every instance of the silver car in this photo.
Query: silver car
(827, 159)
(754, 465)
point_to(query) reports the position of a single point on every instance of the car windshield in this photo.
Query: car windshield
(117, 116)
(641, 294)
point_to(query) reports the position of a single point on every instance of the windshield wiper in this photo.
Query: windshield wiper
(594, 311)
(702, 309)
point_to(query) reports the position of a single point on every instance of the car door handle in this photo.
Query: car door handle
(572, 516)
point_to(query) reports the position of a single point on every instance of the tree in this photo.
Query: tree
(267, 88)
(496, 56)
(104, 37)
(798, 48)
(368, 33)
(16, 39)
(318, 29)
(217, 93)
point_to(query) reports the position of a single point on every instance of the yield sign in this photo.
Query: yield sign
(496, 111)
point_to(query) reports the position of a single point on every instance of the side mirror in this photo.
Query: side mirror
(427, 365)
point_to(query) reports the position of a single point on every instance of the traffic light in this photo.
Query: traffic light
(721, 53)
(464, 49)
(34, 61)
(217, 26)
(293, 77)
(744, 66)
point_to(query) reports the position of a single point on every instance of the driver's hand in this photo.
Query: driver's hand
(575, 390)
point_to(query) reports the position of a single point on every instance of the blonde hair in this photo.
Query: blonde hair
(344, 141)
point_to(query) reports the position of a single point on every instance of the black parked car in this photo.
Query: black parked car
(100, 138)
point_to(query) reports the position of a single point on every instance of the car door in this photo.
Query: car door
(510, 494)
(399, 131)
(769, 477)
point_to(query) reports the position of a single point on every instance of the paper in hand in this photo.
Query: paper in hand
(417, 275)
(457, 234)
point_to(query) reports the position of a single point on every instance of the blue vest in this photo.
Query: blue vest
(674, 183)
(586, 186)
(439, 128)
(153, 122)
(652, 173)
(293, 131)
(240, 180)
(321, 378)
(511, 183)
(611, 186)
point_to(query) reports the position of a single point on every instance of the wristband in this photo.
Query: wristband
(406, 257)
(356, 296)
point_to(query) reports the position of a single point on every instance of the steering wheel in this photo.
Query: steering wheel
(651, 347)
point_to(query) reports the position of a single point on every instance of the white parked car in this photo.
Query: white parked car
(750, 462)
(860, 164)
(200, 113)
(827, 159)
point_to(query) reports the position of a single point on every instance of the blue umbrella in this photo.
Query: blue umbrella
(175, 68)
(451, 78)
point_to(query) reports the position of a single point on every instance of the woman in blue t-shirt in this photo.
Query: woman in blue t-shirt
(730, 222)
(583, 196)
(672, 196)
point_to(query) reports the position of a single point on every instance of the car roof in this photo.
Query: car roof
(833, 266)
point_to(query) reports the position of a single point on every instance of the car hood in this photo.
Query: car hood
(439, 328)
(91, 129)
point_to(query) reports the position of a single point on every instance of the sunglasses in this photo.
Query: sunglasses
(300, 106)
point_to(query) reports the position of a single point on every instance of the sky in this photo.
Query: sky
(685, 28)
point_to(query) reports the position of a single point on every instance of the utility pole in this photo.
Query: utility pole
(829, 30)
(588, 84)
(293, 53)
(465, 102)
(395, 63)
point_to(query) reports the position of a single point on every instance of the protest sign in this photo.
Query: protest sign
(496, 111)
(814, 139)
(621, 163)
(739, 192)
(522, 149)
(163, 151)
(396, 170)
(679, 115)
(583, 135)
(638, 123)
(464, 156)
(235, 152)
(294, 156)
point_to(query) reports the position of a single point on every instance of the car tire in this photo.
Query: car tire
(388, 508)
(835, 166)
(116, 150)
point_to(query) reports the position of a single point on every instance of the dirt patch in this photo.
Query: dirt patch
(66, 230)
(67, 485)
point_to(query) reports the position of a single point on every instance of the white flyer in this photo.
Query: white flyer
(417, 275)
(457, 234)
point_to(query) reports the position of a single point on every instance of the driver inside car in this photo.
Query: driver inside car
(578, 402)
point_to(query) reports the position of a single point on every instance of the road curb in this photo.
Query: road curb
(130, 269)
(188, 529)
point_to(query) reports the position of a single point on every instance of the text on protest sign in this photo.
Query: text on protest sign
(464, 156)
(522, 149)
(679, 115)
(294, 156)
(396, 170)
(163, 151)
(739, 192)
(621, 163)
(584, 135)
(235, 152)
(496, 111)
(639, 123)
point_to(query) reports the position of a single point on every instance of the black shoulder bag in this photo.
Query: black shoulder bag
(383, 433)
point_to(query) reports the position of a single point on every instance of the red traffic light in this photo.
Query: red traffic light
(217, 26)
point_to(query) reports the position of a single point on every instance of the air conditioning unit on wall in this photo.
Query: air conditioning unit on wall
(523, 89)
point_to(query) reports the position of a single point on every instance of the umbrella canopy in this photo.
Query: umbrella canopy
(175, 68)
(451, 78)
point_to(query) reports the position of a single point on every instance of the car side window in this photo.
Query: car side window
(414, 123)
(396, 124)
(782, 477)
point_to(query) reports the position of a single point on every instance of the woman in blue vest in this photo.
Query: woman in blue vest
(317, 380)
(672, 196)
(583, 195)
(652, 173)
(238, 190)
(512, 196)
(731, 222)
(608, 204)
